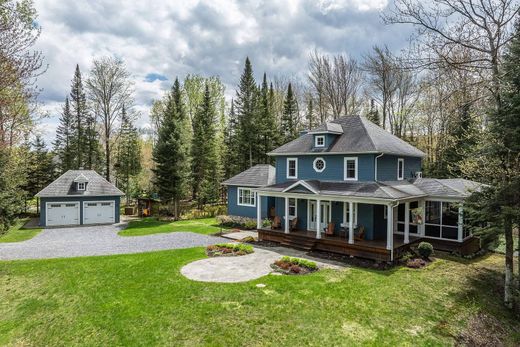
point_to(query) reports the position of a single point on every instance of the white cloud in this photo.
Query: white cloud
(210, 37)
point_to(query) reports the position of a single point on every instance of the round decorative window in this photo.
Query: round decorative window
(319, 164)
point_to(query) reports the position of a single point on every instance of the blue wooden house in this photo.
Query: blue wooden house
(351, 187)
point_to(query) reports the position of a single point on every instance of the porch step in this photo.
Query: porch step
(301, 243)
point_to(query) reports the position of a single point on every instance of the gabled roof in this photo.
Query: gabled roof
(359, 136)
(81, 178)
(64, 185)
(257, 176)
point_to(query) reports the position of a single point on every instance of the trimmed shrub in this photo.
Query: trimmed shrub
(301, 262)
(425, 249)
(237, 221)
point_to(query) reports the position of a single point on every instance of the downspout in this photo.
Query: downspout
(392, 250)
(375, 166)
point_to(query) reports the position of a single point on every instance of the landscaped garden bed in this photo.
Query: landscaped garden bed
(228, 249)
(294, 266)
(413, 261)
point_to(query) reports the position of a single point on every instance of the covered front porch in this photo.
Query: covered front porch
(369, 225)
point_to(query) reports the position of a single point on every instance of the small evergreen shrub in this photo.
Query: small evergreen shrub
(299, 261)
(229, 249)
(237, 222)
(425, 249)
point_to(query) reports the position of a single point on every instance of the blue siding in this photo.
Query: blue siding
(366, 219)
(387, 167)
(81, 199)
(246, 211)
(329, 139)
(379, 222)
(334, 170)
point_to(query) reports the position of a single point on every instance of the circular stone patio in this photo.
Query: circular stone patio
(231, 269)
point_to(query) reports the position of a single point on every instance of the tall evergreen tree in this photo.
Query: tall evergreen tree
(93, 156)
(64, 143)
(169, 153)
(128, 158)
(267, 122)
(40, 171)
(232, 141)
(245, 105)
(78, 105)
(373, 113)
(290, 116)
(205, 162)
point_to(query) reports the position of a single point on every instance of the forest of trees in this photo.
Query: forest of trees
(453, 93)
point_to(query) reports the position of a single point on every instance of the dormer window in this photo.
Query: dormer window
(81, 186)
(319, 141)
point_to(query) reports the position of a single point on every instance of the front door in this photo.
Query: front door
(324, 212)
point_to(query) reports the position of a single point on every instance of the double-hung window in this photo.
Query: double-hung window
(400, 169)
(351, 169)
(292, 167)
(246, 197)
(81, 185)
(292, 208)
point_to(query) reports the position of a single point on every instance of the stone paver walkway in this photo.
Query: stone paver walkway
(241, 268)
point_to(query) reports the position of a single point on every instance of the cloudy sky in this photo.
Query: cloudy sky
(161, 39)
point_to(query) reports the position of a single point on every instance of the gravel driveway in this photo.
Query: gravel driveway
(98, 240)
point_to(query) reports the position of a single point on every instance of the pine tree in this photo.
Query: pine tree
(93, 156)
(128, 158)
(78, 104)
(205, 164)
(245, 106)
(169, 153)
(290, 116)
(63, 145)
(267, 122)
(463, 136)
(232, 157)
(311, 121)
(373, 113)
(40, 171)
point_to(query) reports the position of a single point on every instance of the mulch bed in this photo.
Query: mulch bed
(291, 269)
(218, 251)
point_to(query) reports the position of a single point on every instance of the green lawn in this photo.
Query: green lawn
(151, 225)
(16, 233)
(141, 299)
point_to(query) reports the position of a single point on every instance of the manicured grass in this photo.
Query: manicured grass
(142, 299)
(16, 233)
(151, 225)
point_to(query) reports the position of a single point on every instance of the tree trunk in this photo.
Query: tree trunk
(107, 159)
(508, 282)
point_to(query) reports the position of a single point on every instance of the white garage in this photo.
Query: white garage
(62, 213)
(98, 212)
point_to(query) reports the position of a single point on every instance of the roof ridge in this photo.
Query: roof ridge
(448, 186)
(383, 188)
(366, 131)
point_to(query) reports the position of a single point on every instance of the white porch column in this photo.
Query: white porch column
(407, 222)
(390, 227)
(460, 224)
(318, 219)
(286, 221)
(350, 222)
(258, 211)
(422, 205)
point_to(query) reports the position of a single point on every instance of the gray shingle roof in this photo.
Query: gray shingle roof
(359, 136)
(370, 189)
(64, 185)
(392, 190)
(328, 127)
(257, 176)
(451, 187)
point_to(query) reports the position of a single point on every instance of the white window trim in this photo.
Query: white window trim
(253, 194)
(79, 185)
(346, 213)
(314, 164)
(400, 174)
(440, 225)
(295, 167)
(316, 140)
(345, 159)
(295, 208)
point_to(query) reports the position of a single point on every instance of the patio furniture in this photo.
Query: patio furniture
(293, 223)
(276, 223)
(329, 229)
(359, 233)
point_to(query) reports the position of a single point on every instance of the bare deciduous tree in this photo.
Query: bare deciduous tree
(336, 83)
(109, 90)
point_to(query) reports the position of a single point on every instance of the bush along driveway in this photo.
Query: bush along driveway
(98, 240)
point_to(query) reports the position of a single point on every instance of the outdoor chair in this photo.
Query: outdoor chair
(276, 223)
(293, 224)
(359, 233)
(329, 229)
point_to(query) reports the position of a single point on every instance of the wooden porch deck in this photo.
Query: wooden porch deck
(369, 249)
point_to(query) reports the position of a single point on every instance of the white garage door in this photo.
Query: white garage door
(98, 212)
(62, 213)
